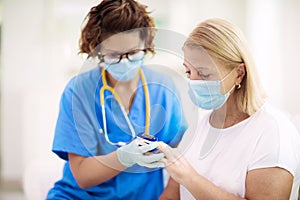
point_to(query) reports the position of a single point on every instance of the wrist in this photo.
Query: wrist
(121, 155)
(111, 160)
(189, 179)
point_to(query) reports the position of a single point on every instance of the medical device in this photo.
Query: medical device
(146, 139)
(105, 86)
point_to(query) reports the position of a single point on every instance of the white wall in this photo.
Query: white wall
(265, 38)
(290, 52)
(39, 55)
(19, 69)
(273, 31)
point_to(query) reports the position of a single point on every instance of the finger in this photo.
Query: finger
(166, 149)
(153, 165)
(148, 147)
(151, 158)
(161, 145)
(164, 160)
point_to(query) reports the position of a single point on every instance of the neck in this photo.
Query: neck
(126, 90)
(228, 115)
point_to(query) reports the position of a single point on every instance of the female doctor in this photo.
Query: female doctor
(103, 110)
(243, 148)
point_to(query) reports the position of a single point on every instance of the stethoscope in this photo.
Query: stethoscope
(115, 94)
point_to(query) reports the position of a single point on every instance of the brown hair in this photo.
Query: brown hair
(115, 16)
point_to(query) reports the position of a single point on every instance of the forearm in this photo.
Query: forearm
(95, 170)
(173, 185)
(201, 188)
(171, 191)
(266, 183)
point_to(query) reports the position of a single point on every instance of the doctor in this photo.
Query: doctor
(104, 109)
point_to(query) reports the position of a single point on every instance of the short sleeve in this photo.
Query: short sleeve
(278, 146)
(75, 130)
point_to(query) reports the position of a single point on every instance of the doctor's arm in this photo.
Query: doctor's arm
(267, 183)
(92, 171)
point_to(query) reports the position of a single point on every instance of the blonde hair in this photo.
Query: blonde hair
(226, 43)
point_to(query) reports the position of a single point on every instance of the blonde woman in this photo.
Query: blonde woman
(243, 148)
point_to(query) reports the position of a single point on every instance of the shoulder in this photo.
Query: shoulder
(88, 77)
(157, 76)
(277, 121)
(279, 140)
(161, 83)
(83, 81)
(152, 74)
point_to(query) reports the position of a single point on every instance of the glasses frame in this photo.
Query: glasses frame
(120, 56)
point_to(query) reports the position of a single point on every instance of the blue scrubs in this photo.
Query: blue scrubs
(79, 122)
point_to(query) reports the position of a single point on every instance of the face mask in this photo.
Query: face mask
(207, 94)
(125, 70)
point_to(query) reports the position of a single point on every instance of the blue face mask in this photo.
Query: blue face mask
(125, 70)
(207, 94)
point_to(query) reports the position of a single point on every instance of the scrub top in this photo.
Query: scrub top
(79, 122)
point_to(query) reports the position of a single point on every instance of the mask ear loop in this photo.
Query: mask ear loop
(231, 89)
(227, 75)
(225, 78)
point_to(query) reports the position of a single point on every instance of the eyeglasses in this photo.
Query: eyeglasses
(132, 56)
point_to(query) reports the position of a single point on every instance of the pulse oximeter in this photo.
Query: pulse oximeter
(147, 139)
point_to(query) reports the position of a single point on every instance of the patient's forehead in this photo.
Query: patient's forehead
(199, 59)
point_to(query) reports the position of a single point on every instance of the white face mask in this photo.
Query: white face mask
(124, 70)
(207, 94)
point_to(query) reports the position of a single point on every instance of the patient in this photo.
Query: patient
(244, 148)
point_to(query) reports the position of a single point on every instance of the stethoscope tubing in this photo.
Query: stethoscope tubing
(102, 103)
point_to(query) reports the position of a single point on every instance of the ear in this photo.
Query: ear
(241, 72)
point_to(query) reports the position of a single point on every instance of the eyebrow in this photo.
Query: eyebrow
(203, 68)
(197, 68)
(116, 51)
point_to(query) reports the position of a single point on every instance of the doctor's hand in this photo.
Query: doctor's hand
(176, 165)
(133, 153)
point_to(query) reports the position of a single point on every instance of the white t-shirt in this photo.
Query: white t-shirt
(223, 156)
